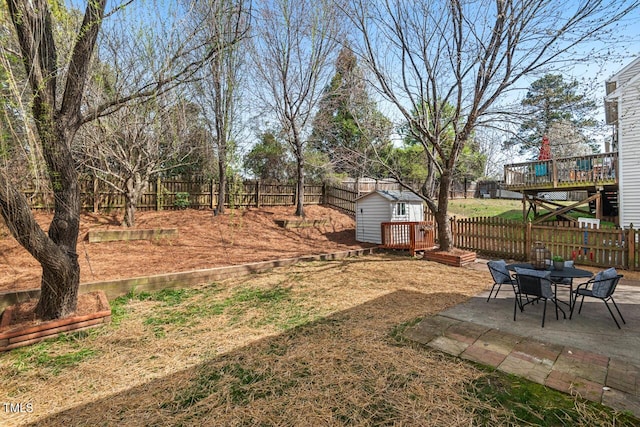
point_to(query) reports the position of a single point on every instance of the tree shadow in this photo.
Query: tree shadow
(325, 371)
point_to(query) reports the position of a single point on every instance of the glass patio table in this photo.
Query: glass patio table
(557, 276)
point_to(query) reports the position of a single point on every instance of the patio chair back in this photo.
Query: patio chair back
(537, 284)
(602, 287)
(500, 275)
(534, 282)
(605, 282)
(499, 272)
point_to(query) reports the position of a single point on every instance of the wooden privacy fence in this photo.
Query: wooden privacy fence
(414, 236)
(342, 198)
(167, 193)
(502, 238)
(202, 193)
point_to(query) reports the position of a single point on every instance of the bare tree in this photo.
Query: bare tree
(218, 89)
(57, 84)
(496, 151)
(293, 46)
(427, 54)
(137, 142)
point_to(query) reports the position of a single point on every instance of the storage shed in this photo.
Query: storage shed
(380, 206)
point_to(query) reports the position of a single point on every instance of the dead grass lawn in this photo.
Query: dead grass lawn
(304, 345)
(310, 344)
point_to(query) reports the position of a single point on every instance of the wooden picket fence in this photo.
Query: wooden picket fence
(497, 237)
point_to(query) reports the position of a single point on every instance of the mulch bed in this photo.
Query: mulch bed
(204, 240)
(20, 327)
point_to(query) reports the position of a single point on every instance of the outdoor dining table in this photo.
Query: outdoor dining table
(557, 276)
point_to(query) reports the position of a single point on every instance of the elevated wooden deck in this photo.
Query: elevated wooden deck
(592, 172)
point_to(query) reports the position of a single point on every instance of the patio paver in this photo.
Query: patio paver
(590, 375)
(532, 360)
(625, 377)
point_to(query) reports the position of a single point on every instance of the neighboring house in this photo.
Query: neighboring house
(380, 206)
(622, 105)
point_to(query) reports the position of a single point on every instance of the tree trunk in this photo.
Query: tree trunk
(131, 197)
(129, 212)
(61, 275)
(56, 252)
(59, 288)
(56, 118)
(300, 189)
(445, 237)
(222, 176)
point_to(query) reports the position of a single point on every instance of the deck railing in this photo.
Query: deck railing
(414, 236)
(566, 172)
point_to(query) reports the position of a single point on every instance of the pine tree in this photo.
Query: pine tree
(553, 107)
(348, 126)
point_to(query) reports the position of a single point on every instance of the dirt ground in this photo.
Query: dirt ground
(204, 241)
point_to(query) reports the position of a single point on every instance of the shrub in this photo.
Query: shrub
(182, 200)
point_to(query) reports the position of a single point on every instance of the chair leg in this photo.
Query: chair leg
(516, 304)
(581, 301)
(611, 312)
(518, 300)
(616, 306)
(491, 291)
(544, 311)
(564, 315)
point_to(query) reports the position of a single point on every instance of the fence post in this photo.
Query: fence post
(454, 234)
(96, 196)
(412, 239)
(158, 194)
(527, 240)
(631, 245)
(257, 193)
(323, 197)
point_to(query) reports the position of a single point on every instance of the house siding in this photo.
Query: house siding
(629, 149)
(628, 73)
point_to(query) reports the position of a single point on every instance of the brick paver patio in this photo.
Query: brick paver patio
(592, 376)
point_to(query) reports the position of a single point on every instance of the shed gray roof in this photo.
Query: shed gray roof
(395, 196)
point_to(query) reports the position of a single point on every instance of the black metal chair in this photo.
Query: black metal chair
(500, 275)
(567, 281)
(602, 287)
(536, 284)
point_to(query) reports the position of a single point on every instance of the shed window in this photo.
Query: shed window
(401, 209)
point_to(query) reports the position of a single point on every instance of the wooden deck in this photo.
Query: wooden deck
(414, 236)
(592, 172)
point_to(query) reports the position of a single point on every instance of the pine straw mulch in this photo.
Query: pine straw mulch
(342, 366)
(204, 240)
(23, 313)
(311, 344)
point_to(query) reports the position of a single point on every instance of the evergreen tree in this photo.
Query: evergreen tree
(269, 160)
(348, 127)
(552, 107)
